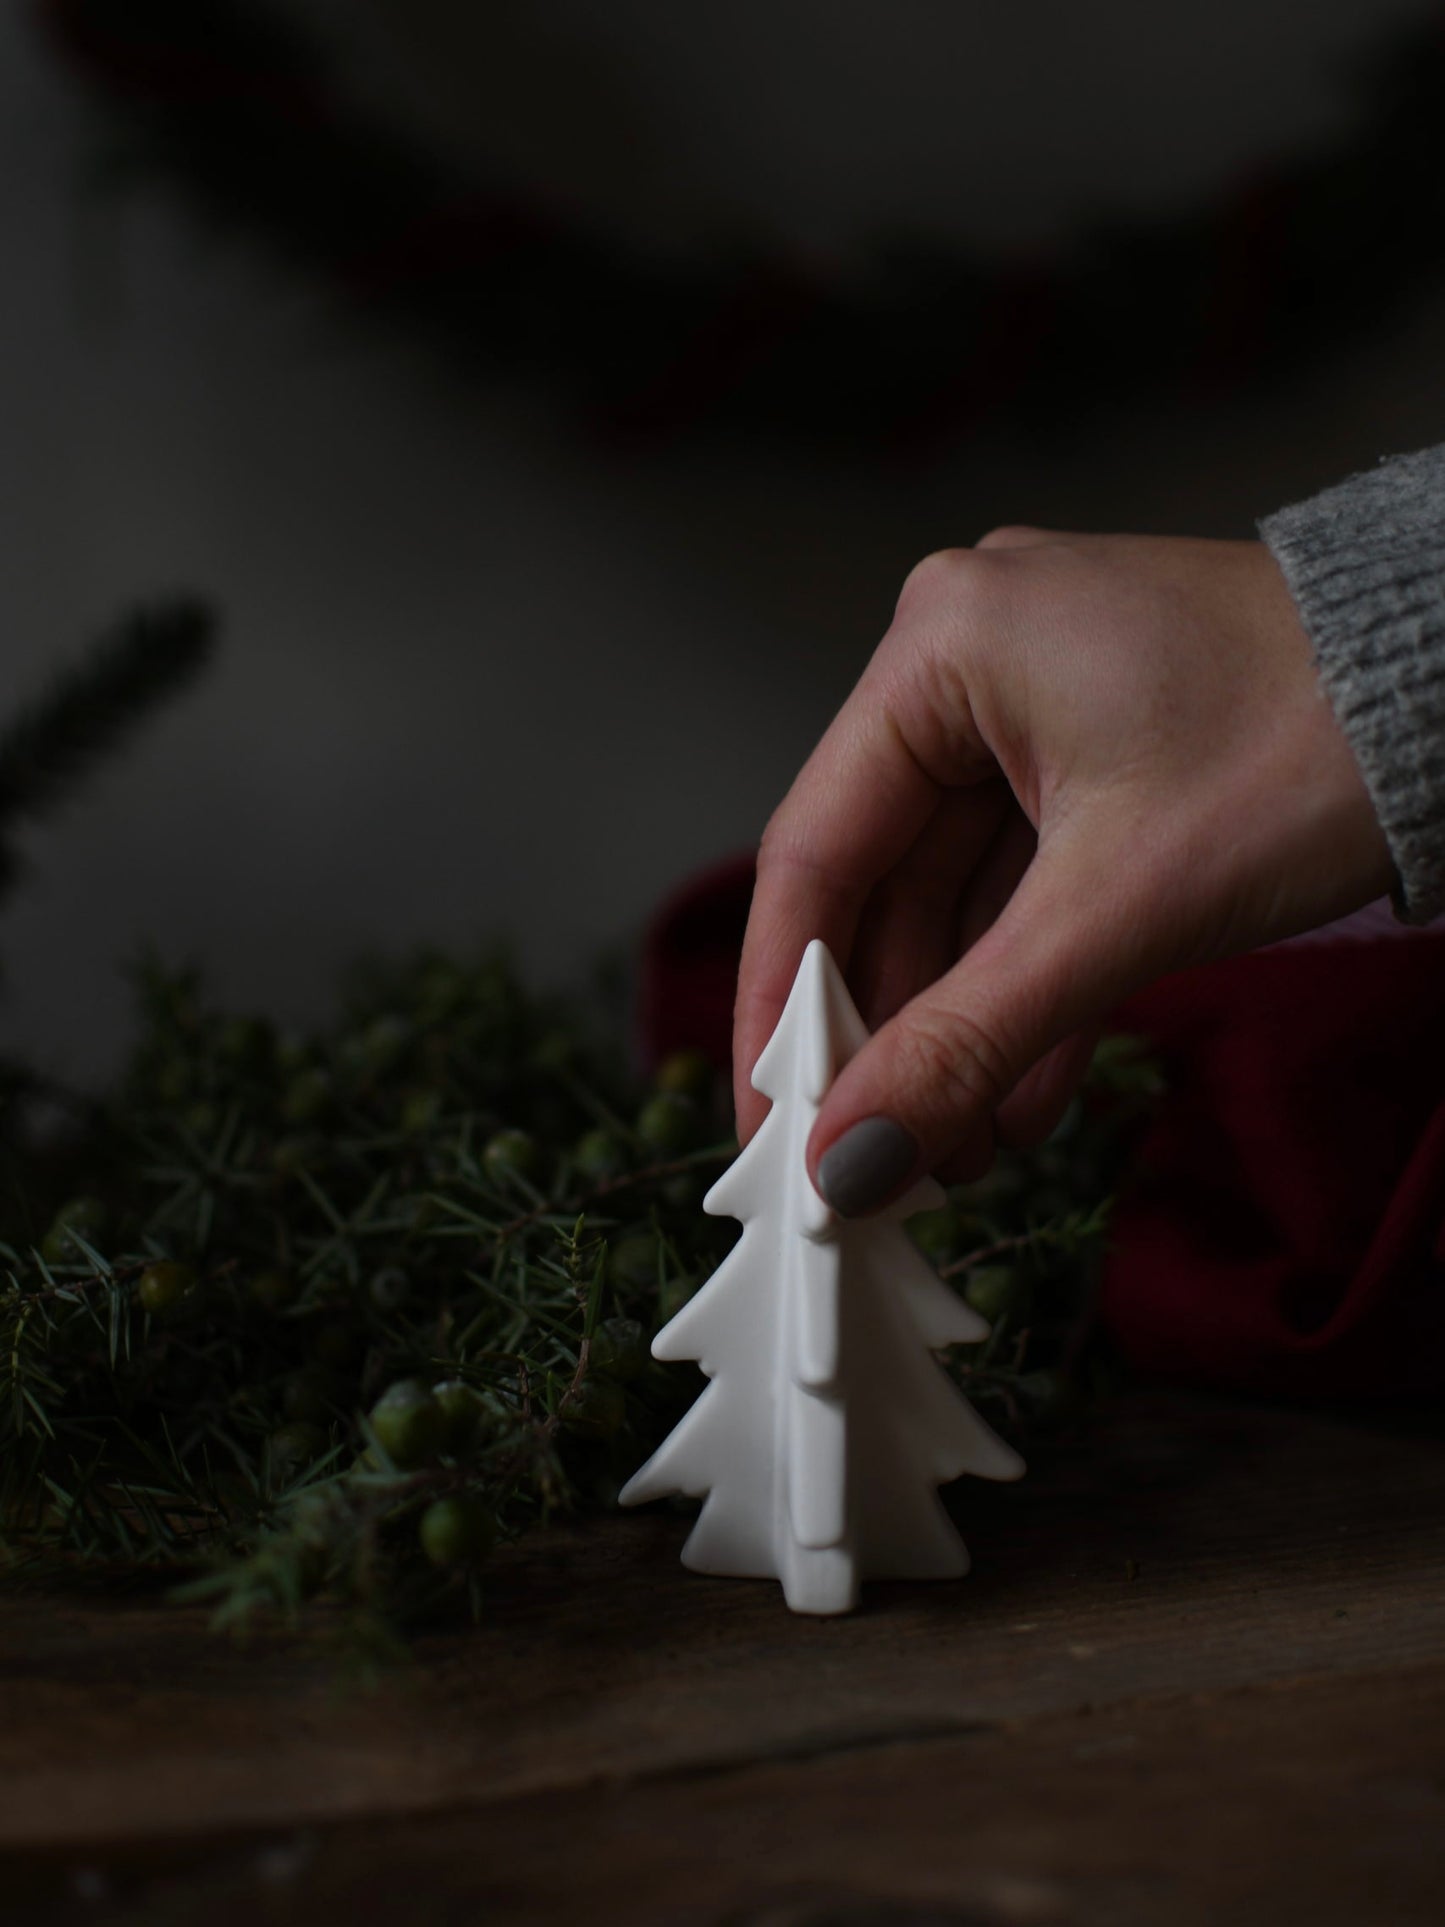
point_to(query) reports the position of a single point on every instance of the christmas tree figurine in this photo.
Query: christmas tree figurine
(828, 1425)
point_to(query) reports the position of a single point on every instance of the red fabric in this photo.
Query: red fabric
(690, 964)
(1284, 1230)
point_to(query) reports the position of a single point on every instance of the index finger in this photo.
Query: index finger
(853, 812)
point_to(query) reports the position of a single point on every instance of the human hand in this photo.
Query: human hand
(1073, 764)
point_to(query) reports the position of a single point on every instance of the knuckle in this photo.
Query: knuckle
(952, 1062)
(1010, 535)
(774, 832)
(789, 854)
(936, 574)
(779, 847)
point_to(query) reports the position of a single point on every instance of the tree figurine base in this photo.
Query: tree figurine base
(828, 1425)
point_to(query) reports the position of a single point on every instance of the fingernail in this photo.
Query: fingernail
(866, 1165)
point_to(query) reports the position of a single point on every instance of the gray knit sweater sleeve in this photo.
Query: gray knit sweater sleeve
(1365, 563)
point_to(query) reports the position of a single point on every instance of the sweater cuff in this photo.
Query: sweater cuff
(1365, 563)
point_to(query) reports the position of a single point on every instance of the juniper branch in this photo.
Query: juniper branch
(278, 1235)
(56, 742)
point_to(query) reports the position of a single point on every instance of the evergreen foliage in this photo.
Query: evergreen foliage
(89, 711)
(332, 1315)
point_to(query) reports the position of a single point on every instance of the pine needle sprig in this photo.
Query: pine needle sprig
(92, 705)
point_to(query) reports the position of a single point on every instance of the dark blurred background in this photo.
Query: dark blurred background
(552, 398)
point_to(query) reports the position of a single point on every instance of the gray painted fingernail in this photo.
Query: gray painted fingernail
(866, 1166)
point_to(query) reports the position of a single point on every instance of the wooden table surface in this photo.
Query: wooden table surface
(1197, 1675)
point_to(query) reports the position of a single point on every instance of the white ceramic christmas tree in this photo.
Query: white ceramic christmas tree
(829, 1425)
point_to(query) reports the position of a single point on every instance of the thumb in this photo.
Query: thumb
(926, 1088)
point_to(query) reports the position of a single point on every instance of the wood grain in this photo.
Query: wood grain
(1198, 1673)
